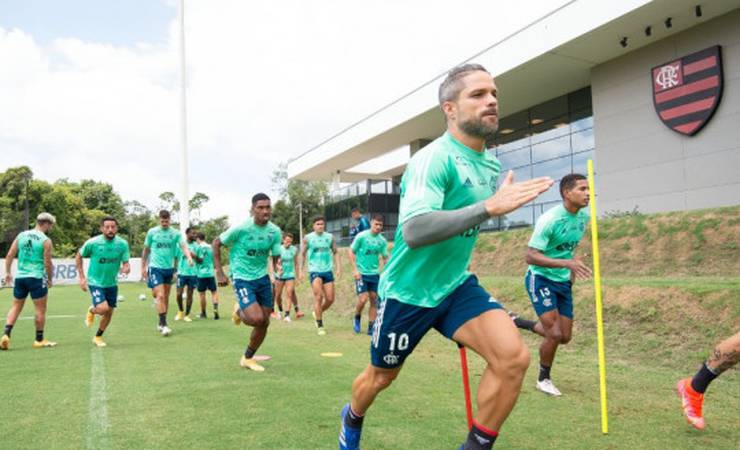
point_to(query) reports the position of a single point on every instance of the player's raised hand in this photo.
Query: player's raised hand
(579, 269)
(511, 195)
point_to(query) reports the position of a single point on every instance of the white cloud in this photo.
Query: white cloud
(267, 81)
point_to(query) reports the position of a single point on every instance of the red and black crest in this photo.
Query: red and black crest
(686, 91)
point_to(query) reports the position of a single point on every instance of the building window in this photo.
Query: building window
(552, 139)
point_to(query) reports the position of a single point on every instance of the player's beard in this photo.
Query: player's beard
(476, 128)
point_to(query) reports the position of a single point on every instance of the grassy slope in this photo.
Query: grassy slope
(187, 390)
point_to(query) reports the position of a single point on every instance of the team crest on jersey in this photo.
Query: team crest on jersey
(687, 91)
(468, 183)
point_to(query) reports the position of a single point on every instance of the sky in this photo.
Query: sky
(90, 88)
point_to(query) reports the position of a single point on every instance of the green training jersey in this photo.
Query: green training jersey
(250, 245)
(444, 175)
(287, 260)
(368, 248)
(106, 256)
(319, 253)
(205, 267)
(163, 244)
(183, 268)
(556, 234)
(31, 254)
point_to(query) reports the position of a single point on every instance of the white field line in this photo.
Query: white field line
(97, 422)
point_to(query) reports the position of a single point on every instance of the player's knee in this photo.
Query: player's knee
(565, 338)
(554, 334)
(382, 380)
(103, 308)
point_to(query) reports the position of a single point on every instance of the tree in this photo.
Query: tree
(196, 203)
(307, 196)
(169, 202)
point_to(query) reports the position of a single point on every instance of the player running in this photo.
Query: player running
(691, 390)
(33, 276)
(206, 276)
(286, 276)
(369, 251)
(250, 244)
(360, 223)
(161, 245)
(187, 276)
(447, 191)
(320, 250)
(552, 271)
(109, 255)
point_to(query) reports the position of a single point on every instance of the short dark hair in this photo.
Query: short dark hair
(164, 214)
(450, 88)
(317, 218)
(258, 197)
(290, 235)
(189, 229)
(569, 182)
(355, 209)
(108, 218)
(378, 218)
(201, 236)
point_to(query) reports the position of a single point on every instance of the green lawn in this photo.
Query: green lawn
(188, 391)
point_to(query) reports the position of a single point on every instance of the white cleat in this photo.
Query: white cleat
(287, 319)
(166, 331)
(548, 388)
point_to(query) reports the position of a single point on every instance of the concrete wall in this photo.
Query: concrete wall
(641, 162)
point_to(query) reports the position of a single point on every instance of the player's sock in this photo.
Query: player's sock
(703, 377)
(297, 309)
(280, 307)
(163, 319)
(187, 309)
(287, 313)
(353, 420)
(480, 438)
(202, 312)
(358, 317)
(319, 323)
(215, 306)
(8, 329)
(544, 373)
(525, 324)
(249, 354)
(99, 332)
(179, 303)
(39, 335)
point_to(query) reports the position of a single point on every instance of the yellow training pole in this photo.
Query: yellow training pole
(597, 291)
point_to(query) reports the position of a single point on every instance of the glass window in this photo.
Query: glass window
(555, 169)
(513, 141)
(580, 161)
(513, 159)
(552, 194)
(514, 122)
(550, 130)
(583, 140)
(581, 123)
(551, 149)
(378, 187)
(519, 218)
(549, 110)
(580, 99)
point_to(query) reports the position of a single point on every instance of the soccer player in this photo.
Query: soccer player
(691, 390)
(161, 244)
(206, 276)
(109, 255)
(447, 191)
(368, 251)
(320, 250)
(187, 276)
(286, 275)
(361, 223)
(552, 272)
(250, 245)
(33, 276)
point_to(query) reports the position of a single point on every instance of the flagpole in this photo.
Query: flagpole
(184, 195)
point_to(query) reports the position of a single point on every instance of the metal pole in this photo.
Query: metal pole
(300, 222)
(184, 206)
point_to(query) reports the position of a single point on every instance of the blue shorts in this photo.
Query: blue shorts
(399, 327)
(367, 283)
(107, 294)
(285, 279)
(207, 284)
(326, 277)
(190, 281)
(159, 276)
(547, 295)
(248, 292)
(35, 286)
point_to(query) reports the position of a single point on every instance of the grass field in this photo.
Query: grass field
(187, 390)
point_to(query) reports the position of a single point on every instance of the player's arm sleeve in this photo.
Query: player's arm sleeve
(540, 235)
(384, 251)
(276, 246)
(356, 244)
(126, 253)
(229, 236)
(435, 226)
(148, 239)
(86, 249)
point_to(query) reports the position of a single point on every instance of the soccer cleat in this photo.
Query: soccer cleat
(548, 388)
(287, 319)
(299, 314)
(159, 328)
(179, 316)
(215, 315)
(98, 341)
(89, 317)
(5, 342)
(166, 331)
(322, 331)
(251, 364)
(202, 316)
(44, 344)
(692, 403)
(187, 319)
(349, 437)
(275, 315)
(356, 325)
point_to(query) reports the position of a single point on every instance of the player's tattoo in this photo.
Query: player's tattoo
(723, 361)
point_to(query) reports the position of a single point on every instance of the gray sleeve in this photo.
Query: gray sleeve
(436, 226)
